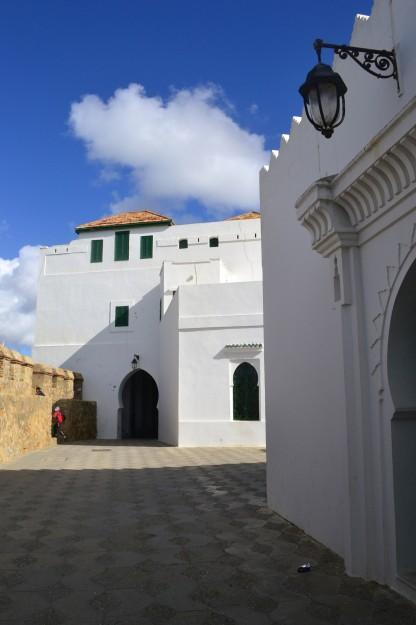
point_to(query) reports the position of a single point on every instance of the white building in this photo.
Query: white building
(185, 302)
(339, 263)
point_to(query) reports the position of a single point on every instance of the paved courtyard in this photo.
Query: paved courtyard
(153, 535)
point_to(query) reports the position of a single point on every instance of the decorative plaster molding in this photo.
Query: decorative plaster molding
(335, 211)
(324, 218)
(383, 184)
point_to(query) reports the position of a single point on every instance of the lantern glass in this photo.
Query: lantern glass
(324, 104)
(323, 95)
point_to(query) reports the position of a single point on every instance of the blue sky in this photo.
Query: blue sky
(249, 57)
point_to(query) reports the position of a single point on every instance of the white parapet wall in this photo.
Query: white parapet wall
(338, 230)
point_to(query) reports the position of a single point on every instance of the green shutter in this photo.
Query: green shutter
(121, 249)
(183, 244)
(146, 246)
(213, 242)
(97, 251)
(245, 393)
(121, 316)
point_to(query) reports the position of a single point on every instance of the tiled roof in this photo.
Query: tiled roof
(250, 215)
(131, 218)
(244, 346)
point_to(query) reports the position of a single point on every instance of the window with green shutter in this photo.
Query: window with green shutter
(213, 242)
(97, 251)
(121, 247)
(183, 244)
(121, 316)
(245, 393)
(146, 246)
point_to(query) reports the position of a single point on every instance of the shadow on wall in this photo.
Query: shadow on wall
(402, 381)
(109, 353)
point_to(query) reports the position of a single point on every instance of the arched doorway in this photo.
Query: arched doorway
(245, 393)
(401, 367)
(139, 413)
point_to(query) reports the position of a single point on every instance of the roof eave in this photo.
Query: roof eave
(124, 226)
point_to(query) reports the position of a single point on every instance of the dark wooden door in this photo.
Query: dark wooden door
(140, 413)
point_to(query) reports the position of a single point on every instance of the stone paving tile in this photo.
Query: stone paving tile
(113, 534)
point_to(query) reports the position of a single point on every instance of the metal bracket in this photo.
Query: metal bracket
(379, 63)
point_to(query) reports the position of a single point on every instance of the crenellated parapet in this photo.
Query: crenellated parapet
(26, 415)
(284, 141)
(20, 374)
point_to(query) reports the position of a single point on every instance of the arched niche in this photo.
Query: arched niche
(402, 345)
(401, 369)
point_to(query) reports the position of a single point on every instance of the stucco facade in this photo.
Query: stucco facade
(339, 247)
(185, 304)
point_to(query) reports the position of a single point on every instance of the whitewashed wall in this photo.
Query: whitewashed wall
(329, 414)
(210, 318)
(169, 375)
(77, 299)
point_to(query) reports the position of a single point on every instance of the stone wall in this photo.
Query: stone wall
(25, 417)
(25, 424)
(80, 419)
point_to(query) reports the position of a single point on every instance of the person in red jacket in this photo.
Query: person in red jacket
(58, 419)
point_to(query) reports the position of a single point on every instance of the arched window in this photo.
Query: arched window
(245, 393)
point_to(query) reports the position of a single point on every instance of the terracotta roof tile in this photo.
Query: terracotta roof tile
(250, 215)
(129, 218)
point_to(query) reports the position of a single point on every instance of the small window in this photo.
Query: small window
(160, 309)
(121, 247)
(213, 242)
(146, 246)
(97, 251)
(183, 244)
(245, 393)
(121, 317)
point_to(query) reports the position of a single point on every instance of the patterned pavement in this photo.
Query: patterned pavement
(111, 534)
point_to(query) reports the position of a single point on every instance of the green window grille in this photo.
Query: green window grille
(183, 244)
(97, 251)
(245, 393)
(146, 246)
(121, 317)
(213, 242)
(121, 248)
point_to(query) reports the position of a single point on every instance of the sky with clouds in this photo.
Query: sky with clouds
(120, 105)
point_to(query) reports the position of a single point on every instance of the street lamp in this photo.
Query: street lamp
(135, 361)
(323, 90)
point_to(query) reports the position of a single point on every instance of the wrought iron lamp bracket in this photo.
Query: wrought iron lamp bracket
(379, 63)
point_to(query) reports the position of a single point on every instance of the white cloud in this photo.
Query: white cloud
(185, 148)
(18, 287)
(109, 175)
